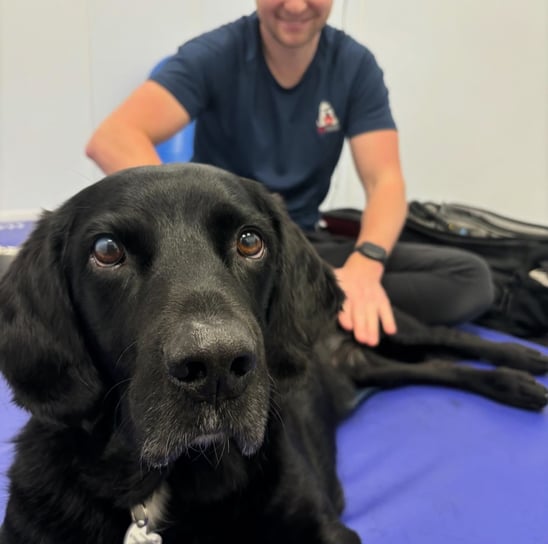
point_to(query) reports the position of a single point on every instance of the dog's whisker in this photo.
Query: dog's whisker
(276, 411)
(118, 405)
(216, 455)
(274, 407)
(124, 353)
(141, 467)
(116, 385)
(84, 382)
(223, 445)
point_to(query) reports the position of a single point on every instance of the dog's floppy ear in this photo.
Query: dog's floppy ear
(42, 354)
(305, 299)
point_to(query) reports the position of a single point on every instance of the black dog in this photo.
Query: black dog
(174, 337)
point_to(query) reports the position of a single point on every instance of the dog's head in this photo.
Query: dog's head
(182, 291)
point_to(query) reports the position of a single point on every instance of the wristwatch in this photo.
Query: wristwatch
(372, 251)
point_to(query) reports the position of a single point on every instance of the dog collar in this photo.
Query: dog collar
(138, 532)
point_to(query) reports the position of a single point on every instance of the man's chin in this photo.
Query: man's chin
(294, 40)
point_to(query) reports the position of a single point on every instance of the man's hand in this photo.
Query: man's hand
(366, 303)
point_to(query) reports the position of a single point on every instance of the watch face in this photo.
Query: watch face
(372, 251)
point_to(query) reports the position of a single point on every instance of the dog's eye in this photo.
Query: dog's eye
(250, 245)
(107, 252)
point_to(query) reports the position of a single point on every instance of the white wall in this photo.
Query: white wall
(468, 82)
(45, 96)
(469, 87)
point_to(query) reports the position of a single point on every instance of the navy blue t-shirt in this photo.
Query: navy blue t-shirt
(288, 139)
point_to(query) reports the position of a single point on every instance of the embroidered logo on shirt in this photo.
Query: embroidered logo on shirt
(327, 120)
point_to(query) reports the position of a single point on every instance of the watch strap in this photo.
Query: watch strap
(372, 251)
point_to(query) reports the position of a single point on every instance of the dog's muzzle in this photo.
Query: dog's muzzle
(212, 362)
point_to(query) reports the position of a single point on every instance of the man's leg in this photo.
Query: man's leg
(435, 284)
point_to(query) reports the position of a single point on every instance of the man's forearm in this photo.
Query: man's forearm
(384, 214)
(116, 148)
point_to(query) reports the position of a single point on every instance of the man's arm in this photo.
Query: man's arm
(376, 157)
(127, 137)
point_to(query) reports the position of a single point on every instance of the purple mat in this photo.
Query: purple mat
(13, 233)
(431, 465)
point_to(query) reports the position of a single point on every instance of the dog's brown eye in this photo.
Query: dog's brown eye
(107, 252)
(250, 245)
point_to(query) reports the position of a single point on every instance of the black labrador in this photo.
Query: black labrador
(174, 337)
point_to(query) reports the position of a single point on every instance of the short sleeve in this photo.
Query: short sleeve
(369, 105)
(191, 74)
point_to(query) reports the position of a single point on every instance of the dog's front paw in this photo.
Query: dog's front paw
(516, 388)
(528, 359)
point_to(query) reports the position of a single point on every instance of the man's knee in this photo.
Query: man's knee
(474, 290)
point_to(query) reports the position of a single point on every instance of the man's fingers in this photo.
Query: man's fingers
(367, 321)
(386, 316)
(366, 325)
(345, 318)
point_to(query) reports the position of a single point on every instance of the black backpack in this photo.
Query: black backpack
(516, 251)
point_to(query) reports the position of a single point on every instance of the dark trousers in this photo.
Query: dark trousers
(436, 284)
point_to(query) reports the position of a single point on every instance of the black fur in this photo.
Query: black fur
(195, 366)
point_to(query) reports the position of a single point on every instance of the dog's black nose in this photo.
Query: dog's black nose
(213, 365)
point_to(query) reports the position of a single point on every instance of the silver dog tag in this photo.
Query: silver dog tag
(138, 535)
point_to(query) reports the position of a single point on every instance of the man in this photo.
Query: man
(274, 95)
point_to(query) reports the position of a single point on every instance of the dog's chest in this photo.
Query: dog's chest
(208, 503)
(147, 518)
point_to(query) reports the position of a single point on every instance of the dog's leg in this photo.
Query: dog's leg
(505, 385)
(437, 340)
(462, 344)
